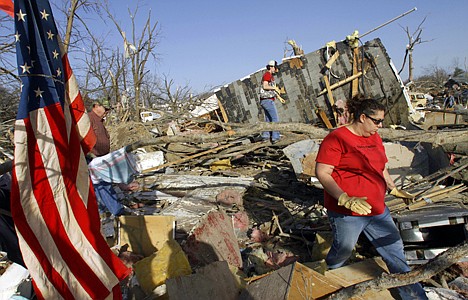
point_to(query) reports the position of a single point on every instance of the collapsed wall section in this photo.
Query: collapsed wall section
(302, 78)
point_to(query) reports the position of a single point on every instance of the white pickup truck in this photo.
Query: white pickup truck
(147, 116)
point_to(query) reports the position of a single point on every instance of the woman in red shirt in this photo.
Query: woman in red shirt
(351, 166)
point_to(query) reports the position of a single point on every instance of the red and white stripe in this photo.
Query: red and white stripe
(57, 221)
(76, 105)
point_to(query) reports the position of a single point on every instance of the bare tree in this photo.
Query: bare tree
(413, 40)
(9, 79)
(178, 98)
(150, 91)
(71, 10)
(138, 49)
(100, 79)
(8, 65)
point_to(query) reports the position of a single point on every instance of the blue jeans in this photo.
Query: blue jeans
(382, 233)
(271, 115)
(107, 198)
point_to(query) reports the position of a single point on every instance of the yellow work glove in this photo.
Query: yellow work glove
(280, 98)
(407, 197)
(401, 194)
(358, 205)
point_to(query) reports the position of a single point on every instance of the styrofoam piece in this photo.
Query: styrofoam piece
(11, 279)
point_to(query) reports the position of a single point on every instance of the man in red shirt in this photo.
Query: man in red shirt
(96, 117)
(105, 193)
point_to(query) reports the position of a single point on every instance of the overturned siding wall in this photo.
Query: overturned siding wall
(303, 81)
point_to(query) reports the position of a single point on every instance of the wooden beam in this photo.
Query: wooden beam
(340, 83)
(324, 118)
(223, 112)
(332, 60)
(355, 84)
(329, 90)
(331, 100)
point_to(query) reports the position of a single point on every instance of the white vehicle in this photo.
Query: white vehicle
(148, 116)
(418, 100)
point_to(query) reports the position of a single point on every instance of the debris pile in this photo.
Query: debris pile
(247, 211)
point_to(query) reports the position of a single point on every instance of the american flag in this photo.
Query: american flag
(52, 199)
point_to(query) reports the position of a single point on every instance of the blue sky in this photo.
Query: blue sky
(210, 43)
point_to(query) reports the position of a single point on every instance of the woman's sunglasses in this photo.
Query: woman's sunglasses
(376, 121)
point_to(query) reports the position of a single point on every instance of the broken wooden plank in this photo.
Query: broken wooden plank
(324, 118)
(331, 100)
(355, 84)
(340, 83)
(332, 60)
(437, 196)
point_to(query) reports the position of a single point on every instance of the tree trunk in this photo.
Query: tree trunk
(410, 66)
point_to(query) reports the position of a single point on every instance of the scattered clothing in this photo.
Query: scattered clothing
(115, 167)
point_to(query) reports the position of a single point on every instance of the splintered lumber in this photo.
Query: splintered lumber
(442, 174)
(437, 196)
(324, 118)
(332, 60)
(444, 194)
(355, 84)
(331, 100)
(423, 272)
(223, 112)
(329, 90)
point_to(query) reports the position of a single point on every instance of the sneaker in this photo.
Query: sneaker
(274, 141)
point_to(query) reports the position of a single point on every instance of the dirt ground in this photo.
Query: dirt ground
(126, 133)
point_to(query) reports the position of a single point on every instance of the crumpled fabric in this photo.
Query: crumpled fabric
(115, 167)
